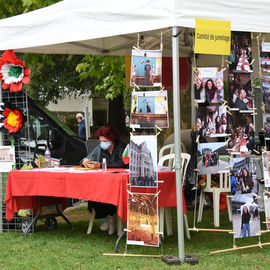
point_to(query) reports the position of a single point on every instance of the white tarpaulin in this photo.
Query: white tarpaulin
(110, 27)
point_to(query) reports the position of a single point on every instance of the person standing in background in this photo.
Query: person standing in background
(81, 130)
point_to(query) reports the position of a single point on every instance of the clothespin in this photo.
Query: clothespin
(254, 113)
(253, 60)
(196, 170)
(136, 86)
(136, 48)
(129, 192)
(257, 152)
(224, 103)
(263, 150)
(228, 62)
(198, 140)
(256, 158)
(161, 233)
(160, 181)
(263, 130)
(227, 140)
(228, 112)
(229, 149)
(263, 107)
(230, 196)
(228, 167)
(196, 105)
(158, 128)
(127, 230)
(161, 89)
(195, 229)
(266, 191)
(258, 37)
(157, 193)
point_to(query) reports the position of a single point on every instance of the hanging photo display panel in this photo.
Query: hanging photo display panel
(146, 66)
(143, 161)
(266, 197)
(241, 52)
(208, 85)
(265, 71)
(240, 92)
(244, 188)
(149, 109)
(241, 127)
(142, 221)
(266, 168)
(211, 121)
(212, 158)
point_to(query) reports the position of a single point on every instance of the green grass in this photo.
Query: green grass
(63, 249)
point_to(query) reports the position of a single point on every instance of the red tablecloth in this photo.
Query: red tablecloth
(24, 187)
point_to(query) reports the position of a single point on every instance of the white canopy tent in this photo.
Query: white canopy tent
(112, 27)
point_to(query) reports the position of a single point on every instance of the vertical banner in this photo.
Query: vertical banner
(149, 109)
(143, 161)
(146, 67)
(142, 222)
(212, 37)
(244, 188)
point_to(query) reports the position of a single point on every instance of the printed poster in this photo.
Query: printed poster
(7, 158)
(149, 109)
(143, 161)
(146, 67)
(142, 223)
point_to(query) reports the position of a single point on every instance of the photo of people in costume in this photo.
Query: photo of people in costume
(266, 168)
(149, 109)
(211, 121)
(143, 161)
(146, 68)
(142, 223)
(212, 158)
(241, 128)
(241, 52)
(208, 85)
(240, 92)
(243, 179)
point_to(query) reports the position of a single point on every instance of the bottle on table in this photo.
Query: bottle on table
(47, 157)
(104, 165)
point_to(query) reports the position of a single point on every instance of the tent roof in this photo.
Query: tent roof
(111, 27)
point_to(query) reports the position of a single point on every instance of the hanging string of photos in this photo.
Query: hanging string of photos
(149, 110)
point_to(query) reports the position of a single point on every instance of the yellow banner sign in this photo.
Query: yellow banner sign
(212, 37)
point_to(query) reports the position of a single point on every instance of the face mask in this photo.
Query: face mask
(105, 145)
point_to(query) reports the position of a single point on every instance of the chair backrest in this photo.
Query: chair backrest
(185, 158)
(224, 182)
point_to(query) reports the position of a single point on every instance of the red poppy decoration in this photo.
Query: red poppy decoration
(13, 72)
(13, 120)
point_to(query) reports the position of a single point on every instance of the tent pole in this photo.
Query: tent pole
(177, 140)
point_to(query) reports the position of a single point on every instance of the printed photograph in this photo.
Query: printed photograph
(243, 178)
(7, 158)
(266, 197)
(266, 123)
(149, 109)
(208, 85)
(266, 168)
(146, 68)
(142, 221)
(241, 52)
(212, 158)
(241, 127)
(265, 71)
(245, 216)
(240, 92)
(211, 121)
(143, 161)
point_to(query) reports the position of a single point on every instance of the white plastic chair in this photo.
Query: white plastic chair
(224, 186)
(167, 211)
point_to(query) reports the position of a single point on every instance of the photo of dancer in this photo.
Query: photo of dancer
(240, 92)
(146, 68)
(241, 128)
(213, 121)
(208, 85)
(241, 52)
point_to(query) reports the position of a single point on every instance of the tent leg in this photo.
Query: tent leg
(177, 140)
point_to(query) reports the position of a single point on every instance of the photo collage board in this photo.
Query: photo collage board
(226, 131)
(265, 89)
(149, 111)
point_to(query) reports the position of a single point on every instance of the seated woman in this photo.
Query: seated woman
(111, 149)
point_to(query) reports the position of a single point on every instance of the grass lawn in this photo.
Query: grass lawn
(63, 249)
